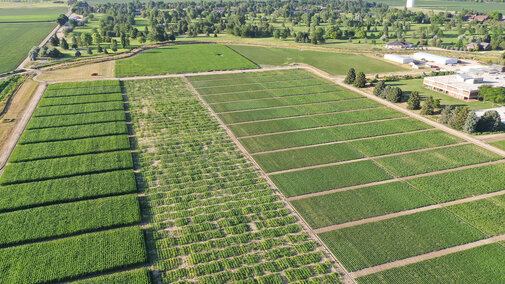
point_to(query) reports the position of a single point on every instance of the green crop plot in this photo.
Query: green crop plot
(370, 129)
(46, 14)
(245, 79)
(18, 39)
(38, 122)
(59, 101)
(437, 159)
(59, 149)
(398, 238)
(499, 144)
(462, 183)
(245, 105)
(182, 59)
(483, 264)
(261, 86)
(333, 63)
(79, 108)
(73, 257)
(252, 115)
(137, 276)
(290, 159)
(25, 195)
(404, 142)
(326, 178)
(107, 88)
(69, 218)
(352, 205)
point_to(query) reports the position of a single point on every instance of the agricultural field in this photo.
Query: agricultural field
(367, 179)
(18, 39)
(213, 218)
(333, 63)
(25, 14)
(182, 59)
(68, 192)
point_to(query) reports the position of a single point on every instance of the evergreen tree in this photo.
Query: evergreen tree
(64, 44)
(489, 121)
(78, 54)
(460, 114)
(471, 123)
(414, 101)
(379, 88)
(54, 41)
(99, 49)
(428, 108)
(360, 81)
(445, 115)
(394, 94)
(113, 45)
(89, 51)
(351, 76)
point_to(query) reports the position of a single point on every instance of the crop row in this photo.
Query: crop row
(79, 108)
(261, 86)
(75, 119)
(59, 101)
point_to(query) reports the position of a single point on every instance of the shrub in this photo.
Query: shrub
(414, 101)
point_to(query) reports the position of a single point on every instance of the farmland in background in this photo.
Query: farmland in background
(213, 218)
(68, 198)
(341, 158)
(182, 59)
(25, 14)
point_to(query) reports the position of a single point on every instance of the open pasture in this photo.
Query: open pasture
(36, 14)
(182, 59)
(66, 191)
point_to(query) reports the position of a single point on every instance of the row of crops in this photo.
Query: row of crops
(213, 218)
(68, 195)
(340, 157)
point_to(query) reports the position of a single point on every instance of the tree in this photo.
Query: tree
(54, 53)
(393, 94)
(89, 51)
(379, 88)
(360, 81)
(99, 49)
(77, 53)
(54, 41)
(141, 40)
(428, 108)
(414, 101)
(471, 122)
(351, 76)
(113, 45)
(97, 38)
(125, 41)
(459, 116)
(34, 53)
(64, 44)
(490, 121)
(446, 115)
(62, 19)
(86, 38)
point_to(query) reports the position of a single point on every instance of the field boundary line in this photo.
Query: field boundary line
(407, 212)
(364, 158)
(318, 127)
(304, 115)
(337, 265)
(426, 256)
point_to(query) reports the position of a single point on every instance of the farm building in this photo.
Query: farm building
(399, 45)
(398, 58)
(464, 86)
(478, 46)
(439, 59)
(500, 110)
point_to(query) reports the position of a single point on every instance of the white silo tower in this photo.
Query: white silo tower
(411, 3)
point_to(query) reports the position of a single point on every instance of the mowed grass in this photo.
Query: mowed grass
(39, 14)
(326, 178)
(182, 59)
(351, 205)
(437, 159)
(333, 63)
(17, 40)
(462, 183)
(384, 241)
(317, 155)
(483, 264)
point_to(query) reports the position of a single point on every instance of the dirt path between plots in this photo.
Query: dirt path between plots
(345, 275)
(393, 179)
(407, 212)
(20, 127)
(426, 256)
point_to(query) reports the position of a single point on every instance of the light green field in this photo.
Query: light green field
(17, 40)
(450, 5)
(182, 59)
(48, 14)
(333, 63)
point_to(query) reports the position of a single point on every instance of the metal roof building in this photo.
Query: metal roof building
(398, 58)
(439, 59)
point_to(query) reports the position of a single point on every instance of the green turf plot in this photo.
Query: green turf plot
(462, 183)
(59, 149)
(245, 105)
(256, 75)
(305, 90)
(338, 106)
(64, 167)
(136, 276)
(483, 264)
(59, 101)
(405, 142)
(81, 85)
(437, 159)
(370, 129)
(229, 89)
(75, 119)
(288, 140)
(182, 59)
(351, 205)
(252, 79)
(79, 108)
(357, 116)
(68, 218)
(488, 215)
(73, 257)
(317, 155)
(319, 98)
(260, 86)
(326, 178)
(245, 96)
(25, 195)
(262, 114)
(499, 144)
(384, 241)
(106, 88)
(26, 14)
(73, 132)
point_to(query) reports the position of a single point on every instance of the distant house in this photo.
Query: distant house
(478, 18)
(399, 45)
(478, 45)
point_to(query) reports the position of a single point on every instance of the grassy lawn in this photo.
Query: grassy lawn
(333, 63)
(181, 59)
(47, 14)
(417, 85)
(17, 40)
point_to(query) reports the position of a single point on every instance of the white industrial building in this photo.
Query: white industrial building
(411, 3)
(439, 59)
(398, 58)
